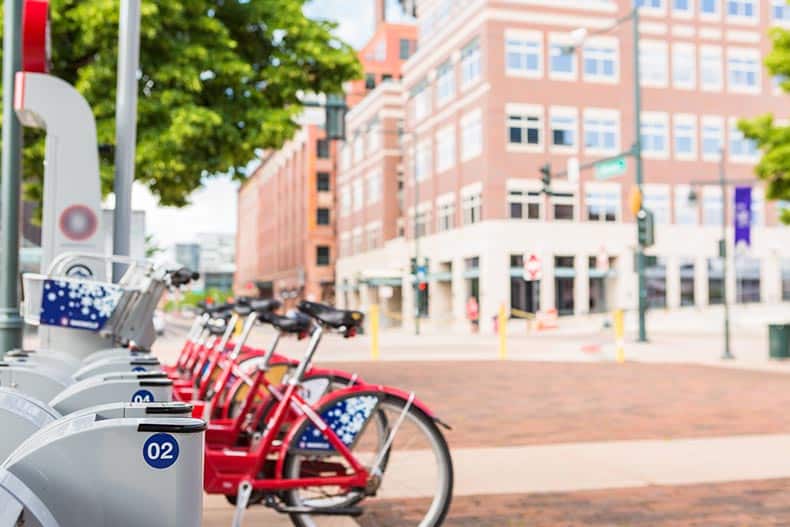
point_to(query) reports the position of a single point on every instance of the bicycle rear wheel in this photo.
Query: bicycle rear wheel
(415, 488)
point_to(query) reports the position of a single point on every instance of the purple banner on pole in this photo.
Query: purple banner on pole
(743, 215)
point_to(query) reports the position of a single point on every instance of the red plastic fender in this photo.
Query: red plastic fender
(361, 388)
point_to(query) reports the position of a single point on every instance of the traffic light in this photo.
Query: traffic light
(645, 228)
(545, 178)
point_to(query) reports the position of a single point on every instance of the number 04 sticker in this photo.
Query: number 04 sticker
(160, 451)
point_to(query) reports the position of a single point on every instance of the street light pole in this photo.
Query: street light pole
(723, 184)
(640, 253)
(10, 321)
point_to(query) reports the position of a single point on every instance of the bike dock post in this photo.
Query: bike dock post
(374, 331)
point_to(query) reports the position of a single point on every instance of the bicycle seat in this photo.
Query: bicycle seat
(265, 305)
(332, 317)
(295, 322)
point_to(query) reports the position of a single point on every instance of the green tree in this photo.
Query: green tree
(219, 79)
(772, 138)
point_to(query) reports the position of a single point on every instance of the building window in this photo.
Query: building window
(602, 202)
(421, 93)
(322, 216)
(322, 255)
(780, 10)
(741, 8)
(524, 294)
(405, 48)
(712, 138)
(563, 206)
(471, 135)
(741, 148)
(601, 61)
(370, 81)
(374, 136)
(322, 149)
(562, 65)
(374, 236)
(345, 245)
(656, 200)
(601, 132)
(424, 160)
(563, 129)
(445, 148)
(445, 83)
(323, 182)
(657, 284)
(564, 281)
(422, 220)
(345, 201)
(758, 207)
(685, 134)
(653, 63)
(655, 140)
(357, 241)
(715, 281)
(470, 63)
(472, 204)
(712, 207)
(345, 157)
(359, 194)
(524, 205)
(649, 4)
(445, 214)
(685, 209)
(747, 280)
(684, 66)
(743, 71)
(711, 64)
(374, 187)
(523, 54)
(525, 128)
(686, 282)
(709, 8)
(359, 147)
(786, 280)
(682, 7)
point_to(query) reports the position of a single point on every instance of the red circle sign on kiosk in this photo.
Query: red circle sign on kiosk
(78, 223)
(35, 36)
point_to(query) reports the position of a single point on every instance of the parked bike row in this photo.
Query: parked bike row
(117, 438)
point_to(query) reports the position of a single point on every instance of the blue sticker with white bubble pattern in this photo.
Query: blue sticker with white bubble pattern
(160, 451)
(142, 396)
(346, 418)
(78, 305)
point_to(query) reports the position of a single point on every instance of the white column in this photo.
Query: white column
(581, 286)
(673, 281)
(547, 297)
(494, 286)
(626, 281)
(458, 295)
(770, 279)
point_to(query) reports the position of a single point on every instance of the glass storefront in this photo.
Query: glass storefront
(657, 284)
(686, 282)
(564, 281)
(747, 280)
(524, 295)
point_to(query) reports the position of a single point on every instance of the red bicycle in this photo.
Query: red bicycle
(347, 455)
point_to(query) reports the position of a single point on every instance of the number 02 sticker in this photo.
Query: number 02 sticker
(160, 451)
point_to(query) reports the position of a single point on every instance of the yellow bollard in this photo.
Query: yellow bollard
(619, 334)
(502, 330)
(239, 328)
(374, 331)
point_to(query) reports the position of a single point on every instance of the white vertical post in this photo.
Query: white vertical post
(125, 126)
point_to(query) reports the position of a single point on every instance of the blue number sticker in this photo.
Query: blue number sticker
(138, 369)
(160, 451)
(142, 396)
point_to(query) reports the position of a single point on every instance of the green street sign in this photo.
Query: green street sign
(610, 168)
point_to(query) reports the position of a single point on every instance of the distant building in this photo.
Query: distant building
(212, 255)
(188, 255)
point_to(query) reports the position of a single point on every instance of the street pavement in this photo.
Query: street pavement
(560, 434)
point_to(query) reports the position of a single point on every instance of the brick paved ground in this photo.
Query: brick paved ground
(522, 403)
(742, 504)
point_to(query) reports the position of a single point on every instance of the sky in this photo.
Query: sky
(213, 208)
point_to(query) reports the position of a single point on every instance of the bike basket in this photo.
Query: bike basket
(74, 303)
(346, 417)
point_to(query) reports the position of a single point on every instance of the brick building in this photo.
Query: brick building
(493, 92)
(286, 240)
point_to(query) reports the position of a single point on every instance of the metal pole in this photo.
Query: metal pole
(416, 245)
(640, 254)
(125, 127)
(10, 321)
(723, 184)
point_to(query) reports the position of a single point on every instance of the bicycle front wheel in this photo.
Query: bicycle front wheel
(415, 488)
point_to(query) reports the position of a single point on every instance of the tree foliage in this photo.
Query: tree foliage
(773, 138)
(218, 80)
